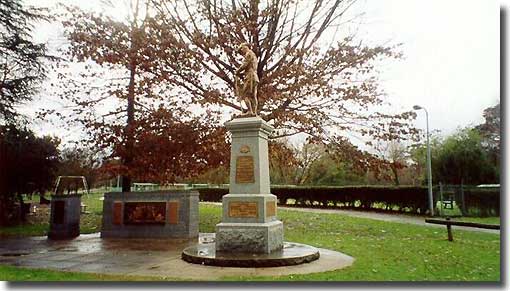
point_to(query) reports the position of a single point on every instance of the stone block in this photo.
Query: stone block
(249, 237)
(65, 216)
(242, 208)
(156, 214)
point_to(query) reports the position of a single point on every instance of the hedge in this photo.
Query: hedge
(478, 201)
(409, 199)
(482, 202)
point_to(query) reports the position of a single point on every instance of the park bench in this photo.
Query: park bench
(449, 224)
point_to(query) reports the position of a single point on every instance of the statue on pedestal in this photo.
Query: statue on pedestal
(247, 80)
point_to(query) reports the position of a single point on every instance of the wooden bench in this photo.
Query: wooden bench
(449, 224)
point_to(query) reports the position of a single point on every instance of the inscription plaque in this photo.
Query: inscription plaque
(242, 209)
(173, 212)
(270, 208)
(245, 170)
(117, 213)
(144, 212)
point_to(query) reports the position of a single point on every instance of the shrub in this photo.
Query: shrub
(482, 202)
(410, 199)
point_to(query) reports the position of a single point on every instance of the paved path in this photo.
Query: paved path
(400, 218)
(160, 258)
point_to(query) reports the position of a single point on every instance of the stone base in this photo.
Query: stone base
(249, 237)
(65, 216)
(175, 214)
(291, 254)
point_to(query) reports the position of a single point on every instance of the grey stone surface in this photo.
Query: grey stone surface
(70, 226)
(260, 199)
(252, 132)
(187, 226)
(157, 258)
(249, 237)
(290, 254)
(243, 232)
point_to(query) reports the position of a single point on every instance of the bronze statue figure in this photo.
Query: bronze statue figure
(247, 80)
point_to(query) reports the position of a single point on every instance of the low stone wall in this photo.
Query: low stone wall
(156, 214)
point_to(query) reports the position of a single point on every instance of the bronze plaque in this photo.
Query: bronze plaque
(173, 212)
(144, 212)
(117, 213)
(242, 209)
(270, 208)
(245, 170)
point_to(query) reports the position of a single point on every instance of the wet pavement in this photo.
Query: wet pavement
(141, 257)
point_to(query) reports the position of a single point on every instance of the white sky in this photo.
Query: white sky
(451, 56)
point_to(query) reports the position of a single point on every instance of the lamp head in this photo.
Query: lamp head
(417, 107)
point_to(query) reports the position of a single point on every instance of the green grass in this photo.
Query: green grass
(384, 251)
(8, 273)
(487, 220)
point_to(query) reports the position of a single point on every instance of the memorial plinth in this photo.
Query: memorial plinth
(249, 223)
(156, 214)
(65, 216)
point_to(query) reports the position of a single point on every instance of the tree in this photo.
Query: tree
(180, 54)
(167, 149)
(283, 162)
(458, 159)
(305, 87)
(490, 132)
(124, 105)
(22, 62)
(394, 155)
(28, 165)
(462, 159)
(79, 161)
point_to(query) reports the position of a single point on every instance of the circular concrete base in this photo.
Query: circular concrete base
(291, 254)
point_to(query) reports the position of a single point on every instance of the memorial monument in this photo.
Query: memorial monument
(249, 222)
(249, 234)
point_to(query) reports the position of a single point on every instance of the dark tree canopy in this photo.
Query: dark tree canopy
(22, 65)
(28, 164)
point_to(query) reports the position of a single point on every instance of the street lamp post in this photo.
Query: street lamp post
(429, 163)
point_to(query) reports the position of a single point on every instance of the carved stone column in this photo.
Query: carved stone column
(249, 223)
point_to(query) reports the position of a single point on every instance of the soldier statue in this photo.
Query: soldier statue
(247, 80)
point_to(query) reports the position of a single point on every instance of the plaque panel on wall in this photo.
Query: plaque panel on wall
(144, 212)
(243, 209)
(245, 170)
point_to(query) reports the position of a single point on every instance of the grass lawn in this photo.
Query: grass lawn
(9, 273)
(384, 251)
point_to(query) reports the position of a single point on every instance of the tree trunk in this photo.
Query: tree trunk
(394, 170)
(129, 130)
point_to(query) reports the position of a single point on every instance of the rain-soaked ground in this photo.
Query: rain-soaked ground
(144, 257)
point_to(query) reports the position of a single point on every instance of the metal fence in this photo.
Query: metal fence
(467, 200)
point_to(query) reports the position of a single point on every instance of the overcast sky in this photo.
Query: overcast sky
(451, 56)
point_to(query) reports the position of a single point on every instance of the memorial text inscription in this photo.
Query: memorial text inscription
(245, 170)
(242, 209)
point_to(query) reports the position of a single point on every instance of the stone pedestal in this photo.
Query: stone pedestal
(249, 223)
(156, 214)
(65, 216)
